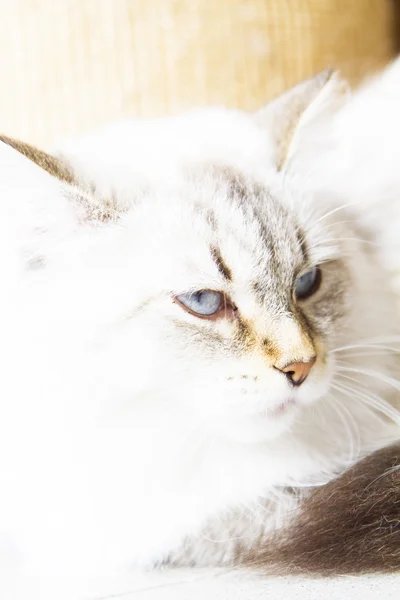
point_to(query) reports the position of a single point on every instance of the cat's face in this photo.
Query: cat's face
(249, 296)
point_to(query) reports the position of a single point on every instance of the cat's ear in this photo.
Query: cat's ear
(38, 200)
(288, 117)
(51, 164)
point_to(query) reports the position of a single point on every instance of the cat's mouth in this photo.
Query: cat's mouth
(282, 408)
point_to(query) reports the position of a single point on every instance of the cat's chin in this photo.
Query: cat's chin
(260, 427)
(269, 421)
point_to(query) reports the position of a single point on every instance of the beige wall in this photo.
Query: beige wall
(69, 65)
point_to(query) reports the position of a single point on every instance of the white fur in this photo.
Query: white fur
(109, 454)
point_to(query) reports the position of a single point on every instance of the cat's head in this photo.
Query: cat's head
(234, 285)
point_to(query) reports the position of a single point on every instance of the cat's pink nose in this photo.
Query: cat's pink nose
(297, 372)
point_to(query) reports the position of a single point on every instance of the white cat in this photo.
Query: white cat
(194, 332)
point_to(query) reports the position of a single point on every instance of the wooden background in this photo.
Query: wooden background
(69, 65)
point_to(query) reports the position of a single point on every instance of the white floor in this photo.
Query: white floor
(215, 584)
(239, 585)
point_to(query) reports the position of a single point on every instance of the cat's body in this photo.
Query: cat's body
(135, 433)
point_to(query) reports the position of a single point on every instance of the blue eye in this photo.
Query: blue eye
(308, 284)
(204, 303)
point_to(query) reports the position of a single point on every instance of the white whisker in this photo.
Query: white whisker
(370, 353)
(371, 399)
(367, 346)
(380, 341)
(349, 427)
(354, 425)
(331, 212)
(371, 373)
(351, 393)
(352, 239)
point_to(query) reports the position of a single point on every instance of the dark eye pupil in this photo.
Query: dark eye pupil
(199, 297)
(308, 284)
